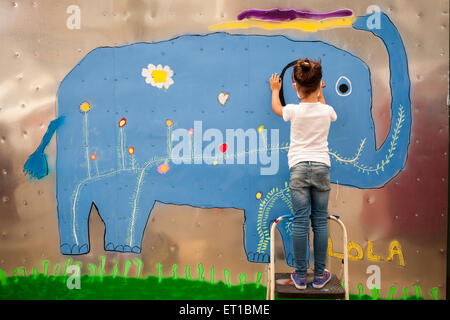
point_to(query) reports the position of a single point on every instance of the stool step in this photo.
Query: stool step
(286, 289)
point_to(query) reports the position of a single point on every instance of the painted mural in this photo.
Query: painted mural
(186, 121)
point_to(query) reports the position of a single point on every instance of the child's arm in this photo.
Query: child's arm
(321, 97)
(275, 86)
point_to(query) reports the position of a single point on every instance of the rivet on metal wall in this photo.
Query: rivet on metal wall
(3, 140)
(4, 171)
(420, 15)
(35, 4)
(416, 214)
(418, 179)
(25, 203)
(441, 250)
(15, 4)
(5, 199)
(418, 251)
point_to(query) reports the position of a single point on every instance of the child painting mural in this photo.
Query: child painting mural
(309, 165)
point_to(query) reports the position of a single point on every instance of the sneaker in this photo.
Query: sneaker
(321, 281)
(299, 282)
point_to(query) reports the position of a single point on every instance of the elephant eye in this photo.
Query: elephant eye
(343, 86)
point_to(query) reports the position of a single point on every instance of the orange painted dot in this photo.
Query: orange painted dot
(131, 150)
(169, 122)
(93, 156)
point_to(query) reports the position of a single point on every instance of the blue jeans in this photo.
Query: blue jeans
(310, 190)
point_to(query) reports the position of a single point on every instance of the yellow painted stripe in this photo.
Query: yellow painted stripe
(300, 24)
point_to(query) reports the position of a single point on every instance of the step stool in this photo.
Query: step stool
(284, 288)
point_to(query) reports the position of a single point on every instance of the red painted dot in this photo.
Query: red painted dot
(223, 148)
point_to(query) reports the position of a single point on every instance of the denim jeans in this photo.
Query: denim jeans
(310, 190)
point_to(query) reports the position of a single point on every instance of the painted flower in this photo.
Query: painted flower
(122, 122)
(260, 129)
(158, 76)
(169, 122)
(163, 168)
(258, 195)
(85, 107)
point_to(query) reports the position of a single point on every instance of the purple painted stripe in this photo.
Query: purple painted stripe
(291, 14)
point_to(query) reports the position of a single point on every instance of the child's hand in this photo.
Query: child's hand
(275, 82)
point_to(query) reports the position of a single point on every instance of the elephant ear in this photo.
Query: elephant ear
(290, 64)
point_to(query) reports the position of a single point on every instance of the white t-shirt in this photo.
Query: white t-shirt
(310, 124)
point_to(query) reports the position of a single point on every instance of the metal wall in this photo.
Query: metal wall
(39, 49)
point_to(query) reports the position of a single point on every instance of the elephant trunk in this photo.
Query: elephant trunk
(391, 156)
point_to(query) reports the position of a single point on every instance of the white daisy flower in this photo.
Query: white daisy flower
(158, 76)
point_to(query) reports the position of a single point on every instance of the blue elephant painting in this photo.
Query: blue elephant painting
(124, 112)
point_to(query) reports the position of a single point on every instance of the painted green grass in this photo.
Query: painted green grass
(118, 286)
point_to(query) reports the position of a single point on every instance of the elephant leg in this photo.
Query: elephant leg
(125, 228)
(285, 228)
(257, 238)
(73, 220)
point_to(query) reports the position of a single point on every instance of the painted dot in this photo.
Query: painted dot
(93, 156)
(131, 150)
(191, 131)
(85, 107)
(163, 168)
(122, 122)
(215, 162)
(169, 122)
(223, 147)
(258, 195)
(260, 129)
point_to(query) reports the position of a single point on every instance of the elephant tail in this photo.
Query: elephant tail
(36, 166)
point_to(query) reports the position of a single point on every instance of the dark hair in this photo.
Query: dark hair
(307, 74)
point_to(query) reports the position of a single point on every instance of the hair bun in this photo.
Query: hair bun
(305, 65)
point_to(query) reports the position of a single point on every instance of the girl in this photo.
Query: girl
(309, 165)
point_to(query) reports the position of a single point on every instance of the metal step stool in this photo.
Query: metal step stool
(279, 282)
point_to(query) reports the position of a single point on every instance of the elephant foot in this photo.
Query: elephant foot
(67, 248)
(122, 248)
(258, 257)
